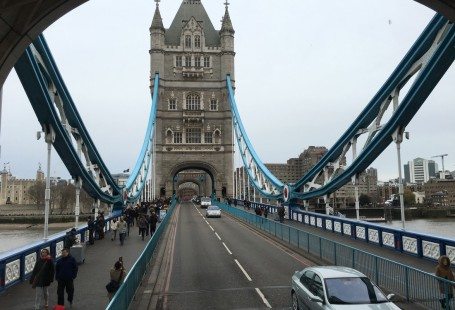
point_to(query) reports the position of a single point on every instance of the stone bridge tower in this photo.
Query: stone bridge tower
(194, 121)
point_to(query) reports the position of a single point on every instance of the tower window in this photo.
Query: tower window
(207, 61)
(187, 61)
(188, 41)
(178, 61)
(213, 105)
(208, 137)
(193, 102)
(172, 104)
(178, 137)
(197, 41)
(193, 135)
(197, 61)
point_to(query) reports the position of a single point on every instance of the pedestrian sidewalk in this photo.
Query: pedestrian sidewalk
(89, 287)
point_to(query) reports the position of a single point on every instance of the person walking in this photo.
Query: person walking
(114, 227)
(91, 231)
(42, 277)
(153, 221)
(443, 271)
(65, 273)
(100, 226)
(266, 211)
(117, 276)
(281, 213)
(122, 228)
(142, 224)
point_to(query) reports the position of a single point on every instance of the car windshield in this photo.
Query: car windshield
(353, 290)
(213, 208)
(205, 199)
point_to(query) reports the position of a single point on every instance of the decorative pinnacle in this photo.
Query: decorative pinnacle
(226, 4)
(158, 3)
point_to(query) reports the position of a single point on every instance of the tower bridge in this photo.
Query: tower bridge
(193, 129)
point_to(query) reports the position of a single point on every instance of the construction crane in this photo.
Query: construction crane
(442, 158)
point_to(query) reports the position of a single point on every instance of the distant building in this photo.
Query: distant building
(387, 190)
(121, 178)
(420, 170)
(440, 192)
(16, 191)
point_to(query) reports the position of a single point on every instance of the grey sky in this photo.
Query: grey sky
(304, 71)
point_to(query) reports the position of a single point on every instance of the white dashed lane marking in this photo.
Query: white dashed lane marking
(243, 270)
(264, 300)
(218, 236)
(227, 249)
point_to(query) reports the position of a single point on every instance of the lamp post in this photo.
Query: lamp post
(398, 138)
(77, 209)
(49, 138)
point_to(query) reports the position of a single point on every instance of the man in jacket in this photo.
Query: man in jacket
(65, 273)
(153, 221)
(42, 277)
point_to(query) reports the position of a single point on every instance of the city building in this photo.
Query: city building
(440, 192)
(16, 191)
(194, 122)
(420, 170)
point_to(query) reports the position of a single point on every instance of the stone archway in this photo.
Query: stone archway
(170, 186)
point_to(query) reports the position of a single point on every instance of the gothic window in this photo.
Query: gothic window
(172, 104)
(193, 102)
(207, 61)
(188, 41)
(208, 137)
(193, 135)
(168, 136)
(197, 61)
(187, 61)
(217, 136)
(178, 61)
(178, 137)
(197, 41)
(213, 105)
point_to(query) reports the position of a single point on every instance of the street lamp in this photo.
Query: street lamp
(398, 138)
(49, 138)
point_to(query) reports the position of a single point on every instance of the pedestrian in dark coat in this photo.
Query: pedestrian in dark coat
(266, 211)
(142, 224)
(42, 277)
(65, 273)
(443, 271)
(91, 230)
(281, 213)
(153, 221)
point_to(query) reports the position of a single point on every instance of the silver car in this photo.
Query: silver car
(213, 211)
(332, 287)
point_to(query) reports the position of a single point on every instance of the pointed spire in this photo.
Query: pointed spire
(157, 22)
(226, 22)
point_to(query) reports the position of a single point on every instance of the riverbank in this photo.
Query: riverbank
(39, 219)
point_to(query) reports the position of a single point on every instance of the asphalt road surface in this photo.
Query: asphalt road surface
(220, 263)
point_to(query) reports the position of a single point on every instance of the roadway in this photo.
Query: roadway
(221, 263)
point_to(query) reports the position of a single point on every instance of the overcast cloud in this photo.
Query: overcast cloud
(304, 70)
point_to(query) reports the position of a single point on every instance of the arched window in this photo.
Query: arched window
(172, 104)
(217, 136)
(193, 102)
(197, 41)
(188, 41)
(213, 104)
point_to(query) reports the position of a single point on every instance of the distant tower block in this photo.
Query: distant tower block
(194, 122)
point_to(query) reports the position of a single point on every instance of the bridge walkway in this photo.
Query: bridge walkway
(93, 275)
(391, 254)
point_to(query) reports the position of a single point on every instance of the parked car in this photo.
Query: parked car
(213, 211)
(205, 202)
(332, 287)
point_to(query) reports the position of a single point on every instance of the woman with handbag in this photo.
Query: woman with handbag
(42, 277)
(117, 275)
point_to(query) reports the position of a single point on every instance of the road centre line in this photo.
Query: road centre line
(229, 251)
(211, 228)
(243, 270)
(264, 300)
(218, 236)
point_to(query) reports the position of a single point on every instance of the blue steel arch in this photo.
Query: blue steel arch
(55, 109)
(430, 57)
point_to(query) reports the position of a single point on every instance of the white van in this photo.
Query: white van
(205, 202)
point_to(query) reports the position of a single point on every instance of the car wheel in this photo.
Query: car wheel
(295, 302)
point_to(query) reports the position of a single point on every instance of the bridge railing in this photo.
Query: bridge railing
(127, 290)
(16, 266)
(417, 244)
(411, 284)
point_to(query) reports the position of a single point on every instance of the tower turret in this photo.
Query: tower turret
(157, 33)
(227, 45)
